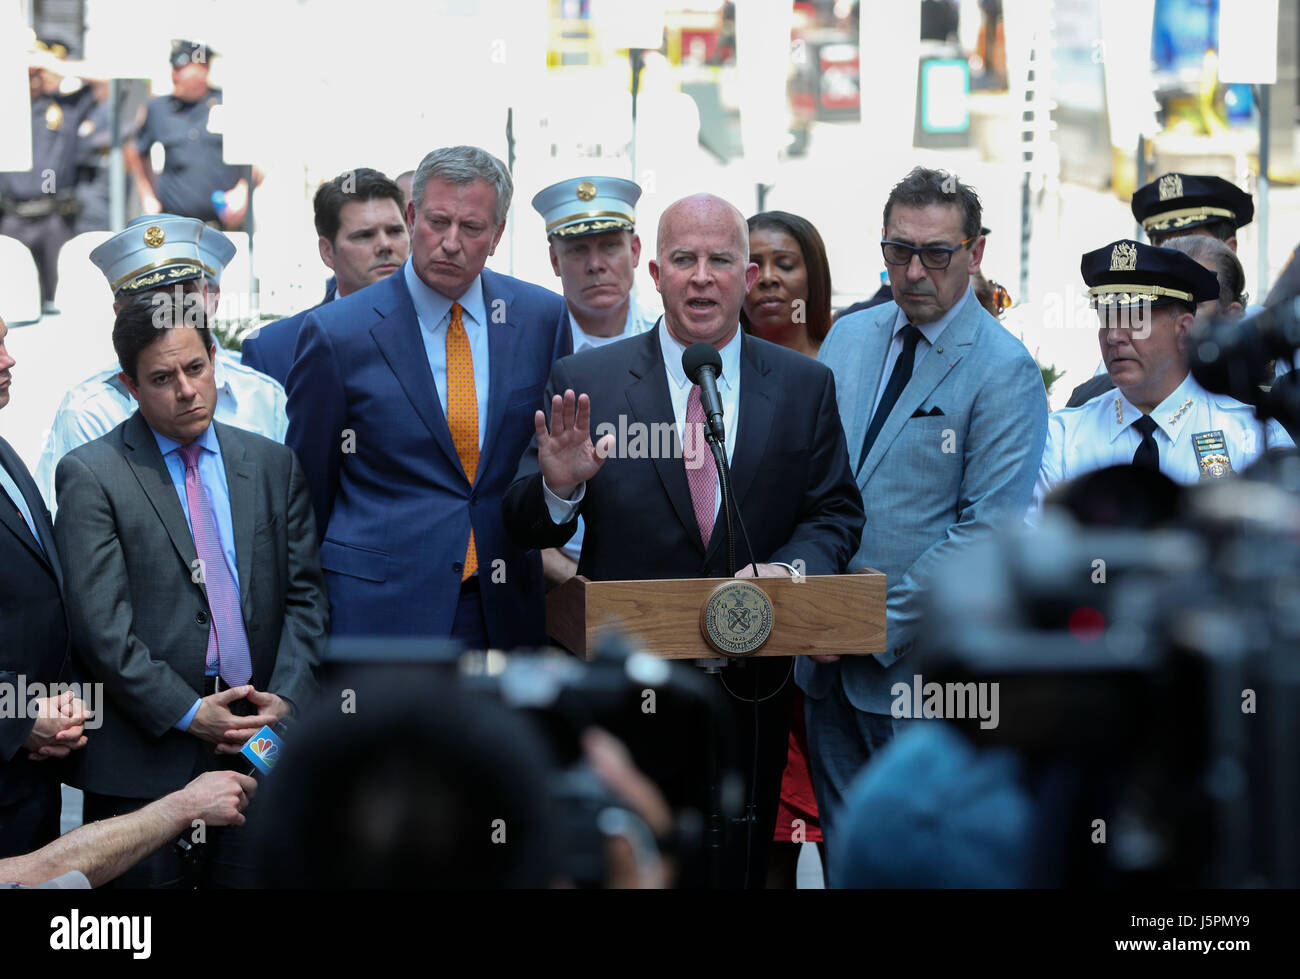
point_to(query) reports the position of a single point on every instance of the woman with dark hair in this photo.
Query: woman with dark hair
(790, 303)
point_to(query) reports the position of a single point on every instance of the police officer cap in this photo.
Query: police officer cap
(215, 252)
(185, 52)
(1129, 273)
(588, 206)
(152, 251)
(1178, 201)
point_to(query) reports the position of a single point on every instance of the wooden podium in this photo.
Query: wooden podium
(823, 614)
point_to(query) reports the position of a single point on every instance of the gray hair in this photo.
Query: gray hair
(464, 165)
(1227, 267)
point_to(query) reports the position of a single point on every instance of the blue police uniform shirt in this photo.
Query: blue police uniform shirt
(194, 167)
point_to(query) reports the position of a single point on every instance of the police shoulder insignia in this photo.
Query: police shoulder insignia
(1124, 257)
(1170, 187)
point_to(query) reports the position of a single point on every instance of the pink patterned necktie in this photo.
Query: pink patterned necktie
(703, 479)
(227, 640)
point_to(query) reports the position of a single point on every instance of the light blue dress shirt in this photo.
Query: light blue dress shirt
(212, 472)
(246, 399)
(930, 334)
(433, 310)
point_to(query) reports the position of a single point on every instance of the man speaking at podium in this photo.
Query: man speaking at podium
(651, 516)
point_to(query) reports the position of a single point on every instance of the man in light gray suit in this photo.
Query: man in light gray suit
(946, 417)
(193, 582)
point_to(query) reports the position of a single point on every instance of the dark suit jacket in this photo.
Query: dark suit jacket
(33, 627)
(393, 505)
(139, 620)
(790, 471)
(271, 351)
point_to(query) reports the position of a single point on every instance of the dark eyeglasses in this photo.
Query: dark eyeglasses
(932, 256)
(1001, 298)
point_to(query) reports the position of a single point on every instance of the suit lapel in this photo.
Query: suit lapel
(397, 334)
(241, 485)
(10, 518)
(501, 357)
(150, 471)
(647, 397)
(875, 346)
(757, 403)
(933, 368)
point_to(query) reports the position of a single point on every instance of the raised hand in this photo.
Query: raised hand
(566, 454)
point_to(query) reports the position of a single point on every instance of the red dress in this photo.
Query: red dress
(797, 799)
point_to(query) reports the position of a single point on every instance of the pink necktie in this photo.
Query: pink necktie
(703, 479)
(227, 640)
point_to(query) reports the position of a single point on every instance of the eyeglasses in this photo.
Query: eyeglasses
(1001, 298)
(932, 256)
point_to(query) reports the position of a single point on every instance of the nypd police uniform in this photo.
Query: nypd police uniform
(1192, 434)
(587, 206)
(193, 168)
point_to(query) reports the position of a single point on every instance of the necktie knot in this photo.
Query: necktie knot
(911, 337)
(1146, 425)
(190, 455)
(457, 311)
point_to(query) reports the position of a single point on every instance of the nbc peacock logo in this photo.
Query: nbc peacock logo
(265, 749)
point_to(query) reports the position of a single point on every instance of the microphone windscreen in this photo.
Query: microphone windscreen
(699, 355)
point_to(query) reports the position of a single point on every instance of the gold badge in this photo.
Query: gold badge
(737, 618)
(54, 117)
(1170, 186)
(1124, 257)
(153, 236)
(586, 190)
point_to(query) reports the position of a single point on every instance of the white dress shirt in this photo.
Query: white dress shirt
(638, 321)
(679, 392)
(433, 310)
(246, 399)
(1100, 433)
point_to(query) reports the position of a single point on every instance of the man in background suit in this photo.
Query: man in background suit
(194, 586)
(946, 417)
(410, 403)
(361, 224)
(34, 650)
(790, 472)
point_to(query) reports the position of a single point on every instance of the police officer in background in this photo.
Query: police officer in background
(1158, 417)
(39, 207)
(195, 182)
(1175, 205)
(591, 226)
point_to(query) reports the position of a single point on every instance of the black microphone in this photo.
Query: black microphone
(703, 365)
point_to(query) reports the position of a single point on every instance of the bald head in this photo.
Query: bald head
(702, 269)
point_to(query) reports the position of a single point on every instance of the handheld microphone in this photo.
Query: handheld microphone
(703, 365)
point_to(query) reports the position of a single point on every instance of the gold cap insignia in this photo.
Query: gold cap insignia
(1124, 257)
(1171, 186)
(586, 190)
(154, 236)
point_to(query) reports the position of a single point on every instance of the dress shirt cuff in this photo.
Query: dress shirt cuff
(562, 511)
(794, 572)
(184, 723)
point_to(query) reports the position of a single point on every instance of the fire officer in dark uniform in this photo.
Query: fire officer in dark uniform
(39, 207)
(195, 182)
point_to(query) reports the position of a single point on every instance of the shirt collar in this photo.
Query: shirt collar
(432, 306)
(580, 338)
(208, 441)
(672, 353)
(932, 331)
(1170, 416)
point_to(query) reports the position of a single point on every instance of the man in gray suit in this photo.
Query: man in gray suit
(946, 418)
(194, 588)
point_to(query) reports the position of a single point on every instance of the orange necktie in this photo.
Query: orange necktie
(462, 412)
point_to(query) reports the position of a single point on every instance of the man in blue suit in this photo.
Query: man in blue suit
(946, 417)
(361, 221)
(410, 403)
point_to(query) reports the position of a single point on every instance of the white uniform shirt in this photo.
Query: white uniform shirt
(246, 399)
(1100, 433)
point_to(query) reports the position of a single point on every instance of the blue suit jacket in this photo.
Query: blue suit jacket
(271, 350)
(932, 482)
(393, 505)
